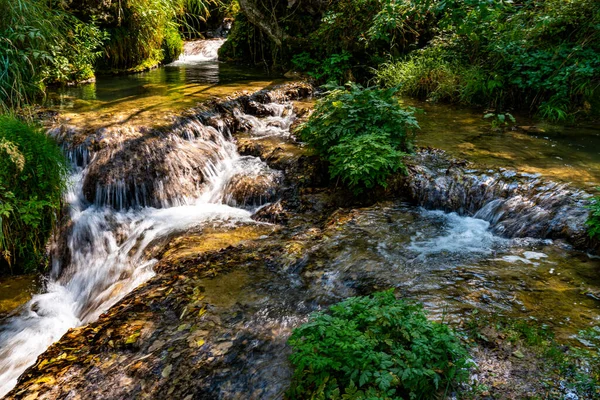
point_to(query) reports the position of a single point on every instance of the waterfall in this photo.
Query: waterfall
(199, 51)
(146, 189)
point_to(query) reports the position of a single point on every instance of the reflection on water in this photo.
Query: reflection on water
(567, 153)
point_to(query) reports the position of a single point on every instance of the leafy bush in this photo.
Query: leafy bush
(541, 56)
(32, 180)
(332, 69)
(362, 132)
(593, 221)
(374, 347)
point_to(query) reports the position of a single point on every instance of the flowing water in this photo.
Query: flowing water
(495, 240)
(110, 238)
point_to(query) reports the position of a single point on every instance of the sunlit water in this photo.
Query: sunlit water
(452, 263)
(110, 245)
(567, 153)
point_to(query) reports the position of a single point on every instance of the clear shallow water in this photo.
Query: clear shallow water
(452, 264)
(153, 98)
(561, 153)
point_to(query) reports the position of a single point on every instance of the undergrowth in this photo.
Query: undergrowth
(33, 175)
(540, 56)
(375, 347)
(362, 132)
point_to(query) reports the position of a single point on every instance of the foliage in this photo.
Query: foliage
(362, 132)
(172, 45)
(75, 62)
(333, 69)
(538, 55)
(39, 44)
(593, 221)
(500, 120)
(429, 76)
(32, 181)
(374, 347)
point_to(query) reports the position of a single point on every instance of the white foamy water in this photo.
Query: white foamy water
(277, 125)
(110, 254)
(462, 235)
(199, 51)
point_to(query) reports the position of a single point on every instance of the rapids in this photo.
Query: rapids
(107, 248)
(145, 266)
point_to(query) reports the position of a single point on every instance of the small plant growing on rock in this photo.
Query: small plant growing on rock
(593, 221)
(375, 347)
(362, 132)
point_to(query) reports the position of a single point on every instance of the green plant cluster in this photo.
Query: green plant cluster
(39, 45)
(375, 347)
(356, 34)
(593, 221)
(538, 55)
(362, 132)
(33, 173)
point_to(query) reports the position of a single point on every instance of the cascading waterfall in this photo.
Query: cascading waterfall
(109, 240)
(199, 51)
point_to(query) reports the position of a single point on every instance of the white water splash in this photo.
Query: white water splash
(277, 125)
(110, 257)
(199, 51)
(462, 235)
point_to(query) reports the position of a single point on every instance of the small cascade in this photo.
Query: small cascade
(515, 204)
(198, 51)
(132, 190)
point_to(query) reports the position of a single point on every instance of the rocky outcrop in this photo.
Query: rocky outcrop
(516, 204)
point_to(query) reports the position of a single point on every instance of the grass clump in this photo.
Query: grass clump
(362, 132)
(33, 175)
(375, 347)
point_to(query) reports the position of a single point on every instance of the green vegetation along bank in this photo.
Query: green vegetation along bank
(33, 174)
(541, 57)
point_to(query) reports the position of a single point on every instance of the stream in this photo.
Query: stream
(189, 293)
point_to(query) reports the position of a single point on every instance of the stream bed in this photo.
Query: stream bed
(198, 240)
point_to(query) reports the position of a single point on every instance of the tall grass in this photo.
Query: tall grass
(39, 44)
(33, 175)
(143, 36)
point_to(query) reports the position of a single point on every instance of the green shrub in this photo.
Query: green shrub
(374, 347)
(593, 221)
(362, 132)
(33, 174)
(332, 69)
